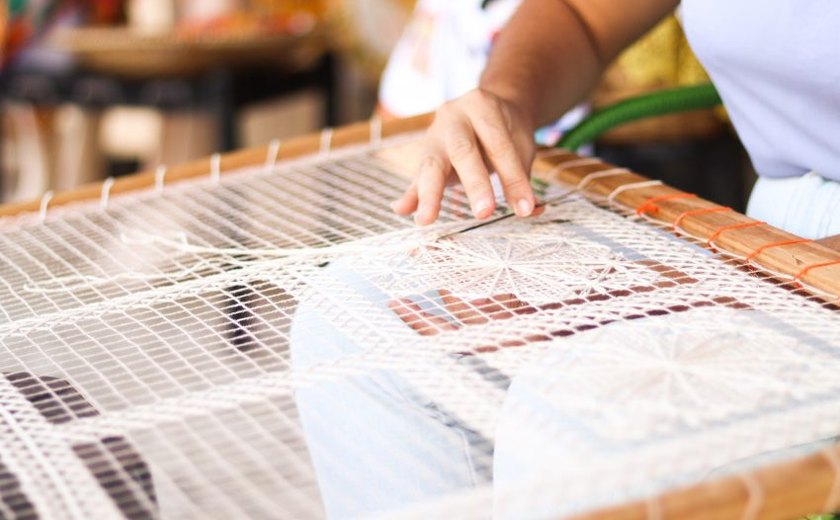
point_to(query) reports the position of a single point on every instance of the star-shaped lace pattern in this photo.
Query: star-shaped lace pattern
(635, 380)
(539, 265)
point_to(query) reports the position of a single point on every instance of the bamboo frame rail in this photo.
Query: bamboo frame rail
(357, 133)
(771, 248)
(781, 491)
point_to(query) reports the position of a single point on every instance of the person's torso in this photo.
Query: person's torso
(776, 64)
(442, 53)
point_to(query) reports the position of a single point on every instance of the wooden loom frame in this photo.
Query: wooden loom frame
(784, 490)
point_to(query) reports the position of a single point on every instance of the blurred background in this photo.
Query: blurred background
(97, 88)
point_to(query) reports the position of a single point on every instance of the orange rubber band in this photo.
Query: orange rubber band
(814, 266)
(714, 236)
(693, 212)
(776, 244)
(650, 204)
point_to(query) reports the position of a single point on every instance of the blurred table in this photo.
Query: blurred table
(215, 76)
(222, 92)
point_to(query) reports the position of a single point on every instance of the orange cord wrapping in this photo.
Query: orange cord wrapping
(714, 236)
(803, 272)
(703, 211)
(650, 204)
(761, 249)
(776, 244)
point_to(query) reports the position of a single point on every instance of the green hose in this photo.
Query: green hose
(680, 99)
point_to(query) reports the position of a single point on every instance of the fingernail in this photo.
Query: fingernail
(524, 207)
(393, 205)
(480, 207)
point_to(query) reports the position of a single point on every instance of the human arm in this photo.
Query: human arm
(546, 60)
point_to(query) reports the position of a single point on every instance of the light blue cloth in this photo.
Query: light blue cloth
(776, 64)
(363, 430)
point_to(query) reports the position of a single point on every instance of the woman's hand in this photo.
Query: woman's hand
(470, 137)
(549, 56)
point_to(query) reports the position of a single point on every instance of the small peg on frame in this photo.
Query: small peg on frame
(45, 202)
(611, 172)
(375, 131)
(160, 176)
(215, 168)
(832, 501)
(632, 186)
(106, 193)
(755, 496)
(272, 154)
(326, 141)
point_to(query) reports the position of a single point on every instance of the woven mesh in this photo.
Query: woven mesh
(279, 344)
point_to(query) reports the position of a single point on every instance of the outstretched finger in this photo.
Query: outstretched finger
(505, 156)
(406, 204)
(431, 182)
(466, 157)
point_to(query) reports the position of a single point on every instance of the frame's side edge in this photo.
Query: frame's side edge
(777, 492)
(356, 133)
(771, 248)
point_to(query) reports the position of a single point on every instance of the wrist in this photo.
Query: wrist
(519, 107)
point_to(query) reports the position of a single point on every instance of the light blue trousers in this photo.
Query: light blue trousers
(376, 444)
(808, 206)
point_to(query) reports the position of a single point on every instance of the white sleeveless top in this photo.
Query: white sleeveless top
(441, 56)
(776, 64)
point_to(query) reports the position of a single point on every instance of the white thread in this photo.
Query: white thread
(271, 155)
(215, 168)
(63, 284)
(755, 499)
(666, 369)
(326, 142)
(400, 242)
(56, 479)
(160, 176)
(489, 261)
(375, 131)
(632, 186)
(612, 172)
(832, 501)
(106, 193)
(45, 201)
